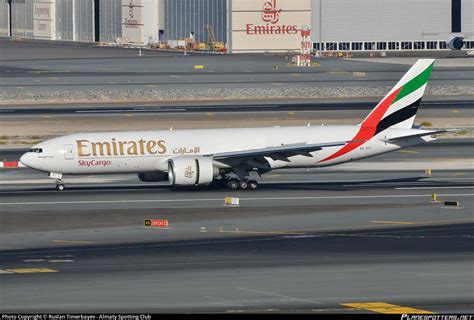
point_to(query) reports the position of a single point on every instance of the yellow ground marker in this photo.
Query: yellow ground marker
(382, 307)
(46, 117)
(31, 270)
(72, 241)
(455, 110)
(291, 113)
(199, 67)
(408, 151)
(20, 88)
(392, 222)
(210, 114)
(128, 115)
(359, 74)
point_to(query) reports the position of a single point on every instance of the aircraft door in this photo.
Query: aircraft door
(68, 151)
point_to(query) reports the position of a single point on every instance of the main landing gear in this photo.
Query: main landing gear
(234, 184)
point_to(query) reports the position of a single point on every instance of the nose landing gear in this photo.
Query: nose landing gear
(59, 180)
(60, 185)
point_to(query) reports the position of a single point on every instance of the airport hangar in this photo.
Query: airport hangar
(246, 25)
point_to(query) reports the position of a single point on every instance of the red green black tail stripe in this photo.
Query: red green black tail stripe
(374, 124)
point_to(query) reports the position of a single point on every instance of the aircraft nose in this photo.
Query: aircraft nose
(27, 160)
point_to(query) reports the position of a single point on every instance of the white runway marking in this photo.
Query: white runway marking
(5, 272)
(242, 199)
(33, 260)
(223, 300)
(426, 188)
(276, 295)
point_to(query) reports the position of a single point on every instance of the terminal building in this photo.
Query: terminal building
(246, 25)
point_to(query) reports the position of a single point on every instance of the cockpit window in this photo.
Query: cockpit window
(36, 150)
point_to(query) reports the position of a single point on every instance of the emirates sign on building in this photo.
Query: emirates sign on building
(267, 25)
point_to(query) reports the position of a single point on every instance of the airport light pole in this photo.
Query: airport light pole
(320, 28)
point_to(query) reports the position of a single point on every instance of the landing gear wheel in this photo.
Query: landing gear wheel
(252, 184)
(233, 184)
(60, 187)
(243, 185)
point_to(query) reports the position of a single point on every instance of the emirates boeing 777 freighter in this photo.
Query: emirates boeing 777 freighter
(201, 156)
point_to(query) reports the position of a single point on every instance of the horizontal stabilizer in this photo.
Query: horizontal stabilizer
(415, 135)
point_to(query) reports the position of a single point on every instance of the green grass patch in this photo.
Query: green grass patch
(461, 133)
(426, 124)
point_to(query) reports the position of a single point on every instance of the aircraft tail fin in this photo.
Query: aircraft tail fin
(398, 108)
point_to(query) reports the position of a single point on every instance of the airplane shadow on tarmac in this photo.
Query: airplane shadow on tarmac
(303, 185)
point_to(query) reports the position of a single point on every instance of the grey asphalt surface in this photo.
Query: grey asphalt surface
(56, 67)
(427, 268)
(262, 106)
(301, 243)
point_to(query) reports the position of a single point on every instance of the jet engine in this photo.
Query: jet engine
(188, 171)
(153, 176)
(455, 43)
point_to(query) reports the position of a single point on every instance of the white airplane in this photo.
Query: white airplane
(202, 156)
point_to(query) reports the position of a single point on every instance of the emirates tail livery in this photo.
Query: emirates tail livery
(202, 156)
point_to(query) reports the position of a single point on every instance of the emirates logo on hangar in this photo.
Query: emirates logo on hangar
(270, 12)
(271, 16)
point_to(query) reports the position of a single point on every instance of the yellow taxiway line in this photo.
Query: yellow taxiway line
(30, 270)
(382, 307)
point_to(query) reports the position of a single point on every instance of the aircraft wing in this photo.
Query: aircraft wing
(277, 152)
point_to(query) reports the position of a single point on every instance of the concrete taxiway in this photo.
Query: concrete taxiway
(62, 67)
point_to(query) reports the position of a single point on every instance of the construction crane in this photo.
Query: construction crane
(212, 44)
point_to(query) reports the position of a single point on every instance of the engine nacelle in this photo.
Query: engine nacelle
(188, 171)
(455, 43)
(153, 176)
